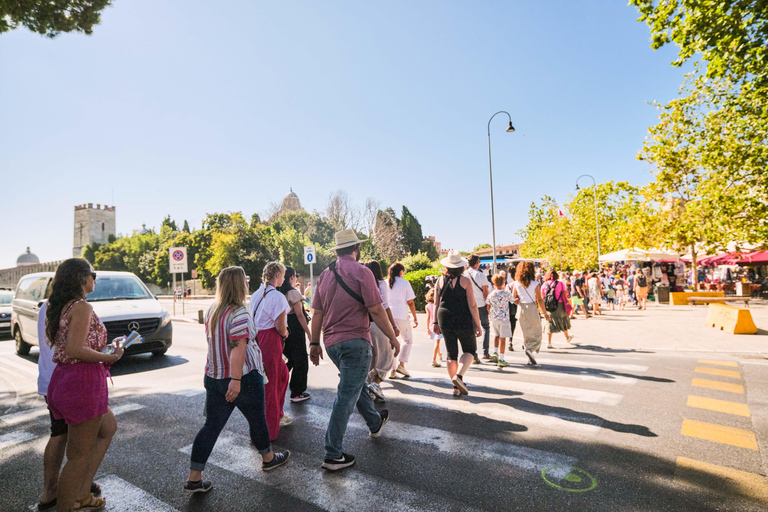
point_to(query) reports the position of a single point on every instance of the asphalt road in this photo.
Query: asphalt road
(593, 429)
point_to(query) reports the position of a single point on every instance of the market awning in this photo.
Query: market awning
(753, 258)
(625, 255)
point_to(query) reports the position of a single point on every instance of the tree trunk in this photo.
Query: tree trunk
(694, 272)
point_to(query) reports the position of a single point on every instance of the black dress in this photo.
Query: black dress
(455, 319)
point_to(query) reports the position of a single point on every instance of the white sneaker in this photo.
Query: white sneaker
(285, 421)
(401, 370)
(570, 338)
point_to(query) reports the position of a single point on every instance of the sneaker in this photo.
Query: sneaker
(199, 486)
(530, 357)
(477, 361)
(570, 338)
(285, 421)
(375, 389)
(486, 356)
(302, 397)
(393, 375)
(342, 462)
(503, 363)
(384, 419)
(279, 459)
(495, 358)
(458, 382)
(401, 370)
(511, 348)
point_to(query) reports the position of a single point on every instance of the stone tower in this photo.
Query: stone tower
(92, 225)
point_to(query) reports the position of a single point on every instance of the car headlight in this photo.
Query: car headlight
(165, 319)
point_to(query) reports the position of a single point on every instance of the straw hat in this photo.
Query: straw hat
(346, 238)
(454, 260)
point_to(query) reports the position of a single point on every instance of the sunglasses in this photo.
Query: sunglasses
(93, 275)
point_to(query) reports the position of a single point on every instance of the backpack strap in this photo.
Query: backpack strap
(346, 288)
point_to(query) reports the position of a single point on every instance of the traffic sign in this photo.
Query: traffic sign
(177, 256)
(309, 254)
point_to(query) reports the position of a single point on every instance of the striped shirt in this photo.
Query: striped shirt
(234, 325)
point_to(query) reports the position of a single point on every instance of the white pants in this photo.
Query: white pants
(406, 334)
(385, 359)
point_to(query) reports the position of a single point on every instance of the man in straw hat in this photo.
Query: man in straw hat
(345, 295)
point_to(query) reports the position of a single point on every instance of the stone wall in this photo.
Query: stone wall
(9, 277)
(92, 225)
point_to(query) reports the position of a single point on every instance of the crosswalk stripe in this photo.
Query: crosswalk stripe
(449, 443)
(721, 363)
(545, 359)
(719, 434)
(303, 479)
(720, 386)
(123, 408)
(190, 392)
(718, 371)
(707, 476)
(532, 388)
(442, 399)
(22, 416)
(712, 404)
(28, 369)
(14, 438)
(123, 496)
(548, 371)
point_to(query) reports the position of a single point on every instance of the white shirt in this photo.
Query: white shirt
(45, 364)
(274, 305)
(384, 293)
(479, 279)
(399, 295)
(527, 295)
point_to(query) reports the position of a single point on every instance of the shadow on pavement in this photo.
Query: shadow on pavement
(596, 348)
(145, 363)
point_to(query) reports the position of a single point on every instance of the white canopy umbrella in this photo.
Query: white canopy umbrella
(663, 254)
(626, 255)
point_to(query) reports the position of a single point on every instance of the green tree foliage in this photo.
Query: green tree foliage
(51, 17)
(419, 284)
(418, 261)
(411, 232)
(312, 226)
(428, 248)
(186, 227)
(481, 247)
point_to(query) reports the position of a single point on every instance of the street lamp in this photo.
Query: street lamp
(510, 129)
(597, 222)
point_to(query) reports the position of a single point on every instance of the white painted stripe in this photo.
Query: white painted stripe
(304, 480)
(121, 409)
(123, 496)
(442, 399)
(26, 367)
(545, 359)
(449, 443)
(14, 438)
(25, 415)
(546, 372)
(190, 392)
(531, 388)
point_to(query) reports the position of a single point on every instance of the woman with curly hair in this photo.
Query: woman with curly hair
(527, 294)
(234, 377)
(269, 309)
(78, 391)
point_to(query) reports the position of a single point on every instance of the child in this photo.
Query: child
(610, 294)
(498, 313)
(436, 355)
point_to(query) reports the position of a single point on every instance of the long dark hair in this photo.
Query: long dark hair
(394, 271)
(67, 286)
(375, 267)
(286, 286)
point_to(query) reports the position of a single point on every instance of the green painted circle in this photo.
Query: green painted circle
(574, 476)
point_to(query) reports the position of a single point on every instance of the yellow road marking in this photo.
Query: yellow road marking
(709, 476)
(720, 434)
(718, 371)
(712, 404)
(720, 386)
(721, 363)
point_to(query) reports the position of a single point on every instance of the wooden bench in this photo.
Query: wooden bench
(681, 298)
(720, 300)
(732, 319)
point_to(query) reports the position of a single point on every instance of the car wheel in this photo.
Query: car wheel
(22, 347)
(159, 352)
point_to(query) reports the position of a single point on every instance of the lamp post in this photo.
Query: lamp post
(510, 129)
(597, 222)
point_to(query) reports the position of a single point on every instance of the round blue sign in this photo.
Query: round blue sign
(310, 257)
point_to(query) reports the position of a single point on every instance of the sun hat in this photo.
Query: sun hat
(454, 260)
(346, 238)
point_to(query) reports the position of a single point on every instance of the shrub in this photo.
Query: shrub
(419, 285)
(418, 261)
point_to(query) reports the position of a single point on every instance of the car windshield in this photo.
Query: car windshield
(6, 298)
(118, 287)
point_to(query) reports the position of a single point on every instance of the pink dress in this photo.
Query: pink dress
(78, 389)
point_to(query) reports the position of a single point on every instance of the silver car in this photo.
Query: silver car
(119, 299)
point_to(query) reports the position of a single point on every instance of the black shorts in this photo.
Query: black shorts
(452, 339)
(58, 427)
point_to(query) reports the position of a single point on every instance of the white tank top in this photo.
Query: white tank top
(527, 295)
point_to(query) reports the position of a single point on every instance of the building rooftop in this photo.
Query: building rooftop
(27, 258)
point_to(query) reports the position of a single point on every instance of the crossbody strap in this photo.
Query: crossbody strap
(259, 304)
(346, 288)
(475, 283)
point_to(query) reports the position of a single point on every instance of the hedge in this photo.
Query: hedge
(420, 286)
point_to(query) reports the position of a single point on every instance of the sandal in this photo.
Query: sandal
(95, 489)
(90, 502)
(456, 391)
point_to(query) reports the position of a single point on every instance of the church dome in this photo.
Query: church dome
(290, 202)
(27, 259)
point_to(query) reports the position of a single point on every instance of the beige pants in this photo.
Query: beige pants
(384, 354)
(530, 323)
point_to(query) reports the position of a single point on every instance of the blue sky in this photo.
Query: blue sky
(183, 108)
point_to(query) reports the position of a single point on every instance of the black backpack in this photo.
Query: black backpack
(641, 281)
(550, 299)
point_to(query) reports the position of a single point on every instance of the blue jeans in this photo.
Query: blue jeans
(250, 401)
(353, 359)
(486, 325)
